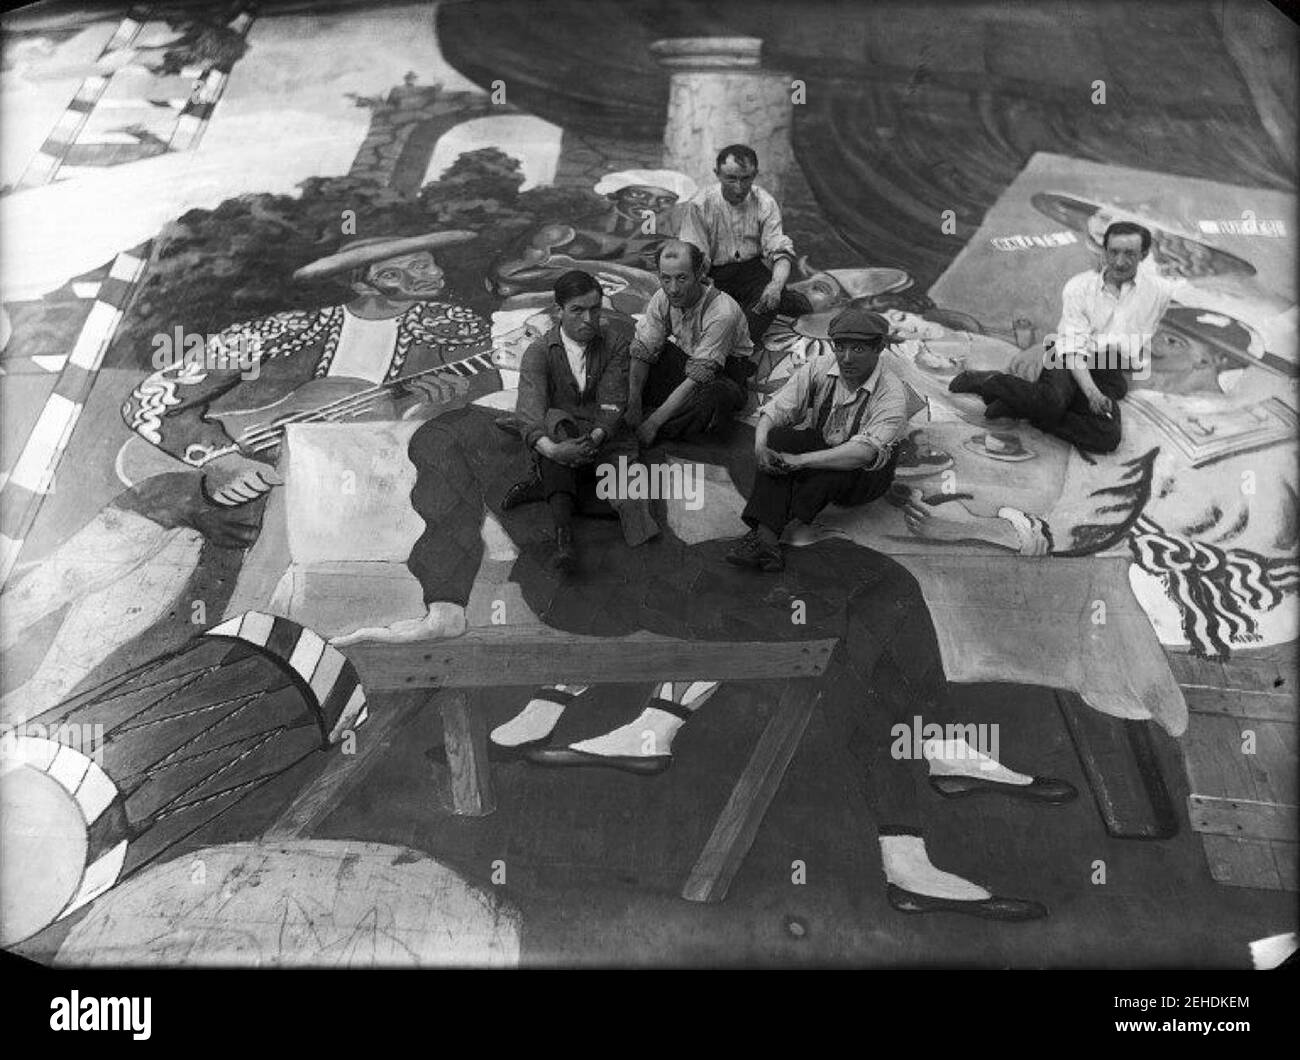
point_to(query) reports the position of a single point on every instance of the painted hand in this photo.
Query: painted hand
(948, 521)
(227, 527)
(235, 479)
(769, 299)
(440, 390)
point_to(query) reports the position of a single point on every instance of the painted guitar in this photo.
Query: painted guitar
(259, 431)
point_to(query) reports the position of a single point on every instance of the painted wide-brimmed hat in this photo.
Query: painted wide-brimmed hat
(1000, 445)
(360, 252)
(1226, 335)
(1173, 242)
(669, 179)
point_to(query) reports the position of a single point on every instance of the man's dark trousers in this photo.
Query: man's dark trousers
(710, 408)
(777, 500)
(744, 281)
(1055, 404)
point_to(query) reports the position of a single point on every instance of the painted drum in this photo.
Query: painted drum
(114, 778)
(63, 830)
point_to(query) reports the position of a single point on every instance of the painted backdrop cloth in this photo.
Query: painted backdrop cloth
(878, 102)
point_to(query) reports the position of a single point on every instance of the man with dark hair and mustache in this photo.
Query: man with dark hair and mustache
(1108, 317)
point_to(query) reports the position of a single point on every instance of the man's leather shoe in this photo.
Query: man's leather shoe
(642, 765)
(744, 553)
(750, 551)
(529, 491)
(565, 559)
(1043, 789)
(994, 908)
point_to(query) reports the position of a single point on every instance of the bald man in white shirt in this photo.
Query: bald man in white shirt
(1108, 318)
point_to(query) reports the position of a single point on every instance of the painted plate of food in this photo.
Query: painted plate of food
(917, 458)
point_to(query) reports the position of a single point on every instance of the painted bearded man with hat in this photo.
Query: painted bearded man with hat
(394, 327)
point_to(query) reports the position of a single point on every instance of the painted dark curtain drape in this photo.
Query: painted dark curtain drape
(911, 110)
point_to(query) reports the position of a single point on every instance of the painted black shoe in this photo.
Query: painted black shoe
(499, 752)
(994, 908)
(1043, 789)
(998, 410)
(529, 491)
(567, 757)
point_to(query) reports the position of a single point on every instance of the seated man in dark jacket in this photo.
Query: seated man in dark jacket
(572, 396)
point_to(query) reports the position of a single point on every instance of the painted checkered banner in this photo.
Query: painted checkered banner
(45, 166)
(193, 111)
(33, 474)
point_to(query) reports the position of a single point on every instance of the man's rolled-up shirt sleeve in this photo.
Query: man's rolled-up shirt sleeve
(651, 333)
(884, 425)
(717, 339)
(775, 243)
(1074, 332)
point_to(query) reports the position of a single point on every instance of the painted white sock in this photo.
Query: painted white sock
(688, 694)
(651, 733)
(537, 719)
(907, 865)
(957, 758)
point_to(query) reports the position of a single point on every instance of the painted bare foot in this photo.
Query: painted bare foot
(953, 521)
(442, 622)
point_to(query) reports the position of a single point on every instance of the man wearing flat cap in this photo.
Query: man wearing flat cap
(826, 437)
(394, 327)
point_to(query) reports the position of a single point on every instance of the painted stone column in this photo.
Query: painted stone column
(719, 95)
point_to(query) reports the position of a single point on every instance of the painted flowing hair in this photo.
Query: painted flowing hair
(1215, 589)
